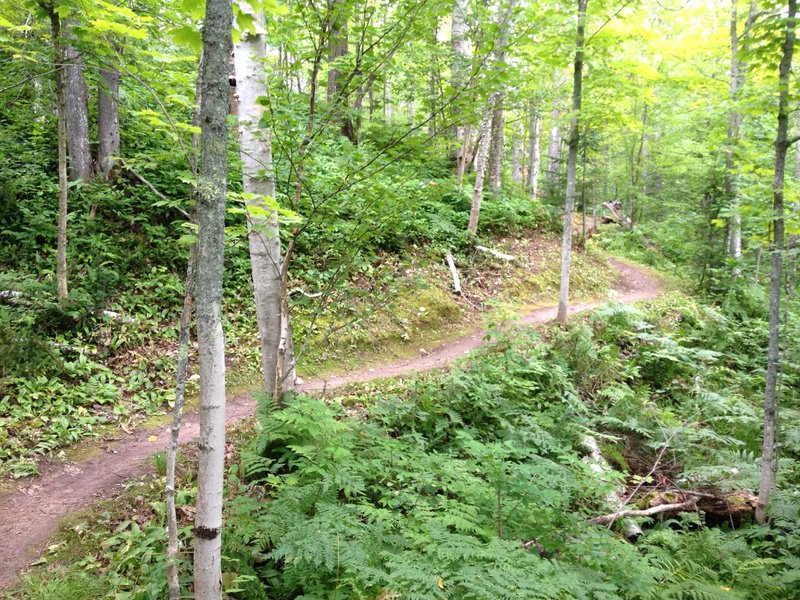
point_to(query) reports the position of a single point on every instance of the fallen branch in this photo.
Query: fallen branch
(647, 512)
(153, 189)
(298, 290)
(456, 280)
(495, 253)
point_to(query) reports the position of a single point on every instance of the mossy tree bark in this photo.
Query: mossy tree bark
(212, 194)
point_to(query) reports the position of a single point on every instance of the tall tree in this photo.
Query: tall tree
(212, 194)
(460, 62)
(480, 167)
(534, 152)
(337, 47)
(572, 164)
(107, 121)
(259, 187)
(76, 96)
(497, 145)
(63, 184)
(736, 83)
(782, 144)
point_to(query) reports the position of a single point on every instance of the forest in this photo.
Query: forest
(399, 299)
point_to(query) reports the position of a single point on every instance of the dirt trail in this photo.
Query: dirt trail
(30, 514)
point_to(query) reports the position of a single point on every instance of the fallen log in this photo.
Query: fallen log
(495, 253)
(597, 463)
(454, 272)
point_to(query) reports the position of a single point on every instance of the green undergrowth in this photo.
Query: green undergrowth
(471, 484)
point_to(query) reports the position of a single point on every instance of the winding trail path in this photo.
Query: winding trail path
(31, 513)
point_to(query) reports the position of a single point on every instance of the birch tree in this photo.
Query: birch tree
(259, 187)
(480, 167)
(212, 193)
(572, 165)
(534, 152)
(736, 84)
(782, 144)
(76, 99)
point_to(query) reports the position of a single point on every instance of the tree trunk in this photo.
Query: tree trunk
(259, 186)
(63, 184)
(782, 144)
(497, 147)
(337, 47)
(463, 157)
(554, 150)
(108, 122)
(572, 165)
(736, 83)
(173, 583)
(516, 158)
(212, 188)
(480, 168)
(76, 98)
(460, 63)
(534, 152)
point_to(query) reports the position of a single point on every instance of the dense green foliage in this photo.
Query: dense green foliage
(472, 484)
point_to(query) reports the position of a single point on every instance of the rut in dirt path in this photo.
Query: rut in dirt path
(31, 514)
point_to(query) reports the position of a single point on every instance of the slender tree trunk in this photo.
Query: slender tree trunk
(63, 184)
(736, 83)
(480, 168)
(497, 146)
(554, 150)
(259, 186)
(463, 156)
(212, 188)
(516, 158)
(572, 165)
(108, 122)
(77, 106)
(337, 47)
(173, 582)
(460, 63)
(534, 152)
(388, 107)
(782, 144)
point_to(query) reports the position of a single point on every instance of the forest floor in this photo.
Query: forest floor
(30, 513)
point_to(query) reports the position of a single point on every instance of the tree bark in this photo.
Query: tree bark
(460, 63)
(108, 122)
(554, 150)
(572, 165)
(516, 158)
(782, 144)
(63, 184)
(735, 119)
(534, 152)
(480, 168)
(337, 47)
(259, 187)
(76, 98)
(173, 583)
(497, 146)
(212, 188)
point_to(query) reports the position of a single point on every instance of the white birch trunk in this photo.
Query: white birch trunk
(480, 168)
(554, 149)
(516, 158)
(259, 186)
(212, 195)
(534, 153)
